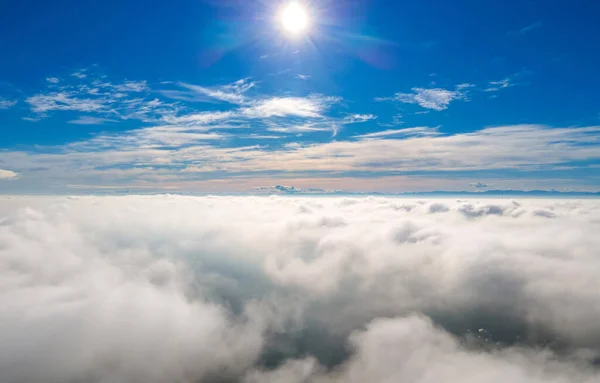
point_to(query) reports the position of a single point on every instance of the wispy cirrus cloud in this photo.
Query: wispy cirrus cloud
(128, 86)
(358, 118)
(497, 85)
(431, 98)
(231, 93)
(66, 100)
(307, 127)
(6, 104)
(201, 118)
(209, 144)
(416, 131)
(92, 94)
(527, 29)
(516, 79)
(89, 120)
(265, 110)
(106, 101)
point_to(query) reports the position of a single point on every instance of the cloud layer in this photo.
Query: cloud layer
(171, 155)
(289, 289)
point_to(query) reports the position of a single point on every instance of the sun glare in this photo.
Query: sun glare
(294, 18)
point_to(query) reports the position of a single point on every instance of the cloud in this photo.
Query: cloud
(80, 74)
(131, 86)
(43, 103)
(497, 85)
(305, 127)
(108, 101)
(231, 93)
(283, 189)
(157, 153)
(413, 349)
(357, 118)
(309, 107)
(94, 94)
(408, 132)
(295, 289)
(510, 81)
(89, 120)
(433, 98)
(479, 185)
(53, 80)
(8, 174)
(267, 108)
(202, 118)
(527, 28)
(6, 104)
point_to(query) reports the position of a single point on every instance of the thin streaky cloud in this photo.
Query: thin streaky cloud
(416, 131)
(508, 147)
(232, 93)
(6, 104)
(89, 120)
(494, 86)
(527, 29)
(199, 118)
(515, 79)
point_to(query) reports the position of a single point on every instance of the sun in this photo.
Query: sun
(294, 18)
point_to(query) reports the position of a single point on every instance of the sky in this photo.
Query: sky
(220, 96)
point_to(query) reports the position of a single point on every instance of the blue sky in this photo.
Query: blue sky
(214, 96)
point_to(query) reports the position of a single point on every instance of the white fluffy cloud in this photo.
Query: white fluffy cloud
(282, 289)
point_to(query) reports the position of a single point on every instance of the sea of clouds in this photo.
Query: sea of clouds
(298, 289)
